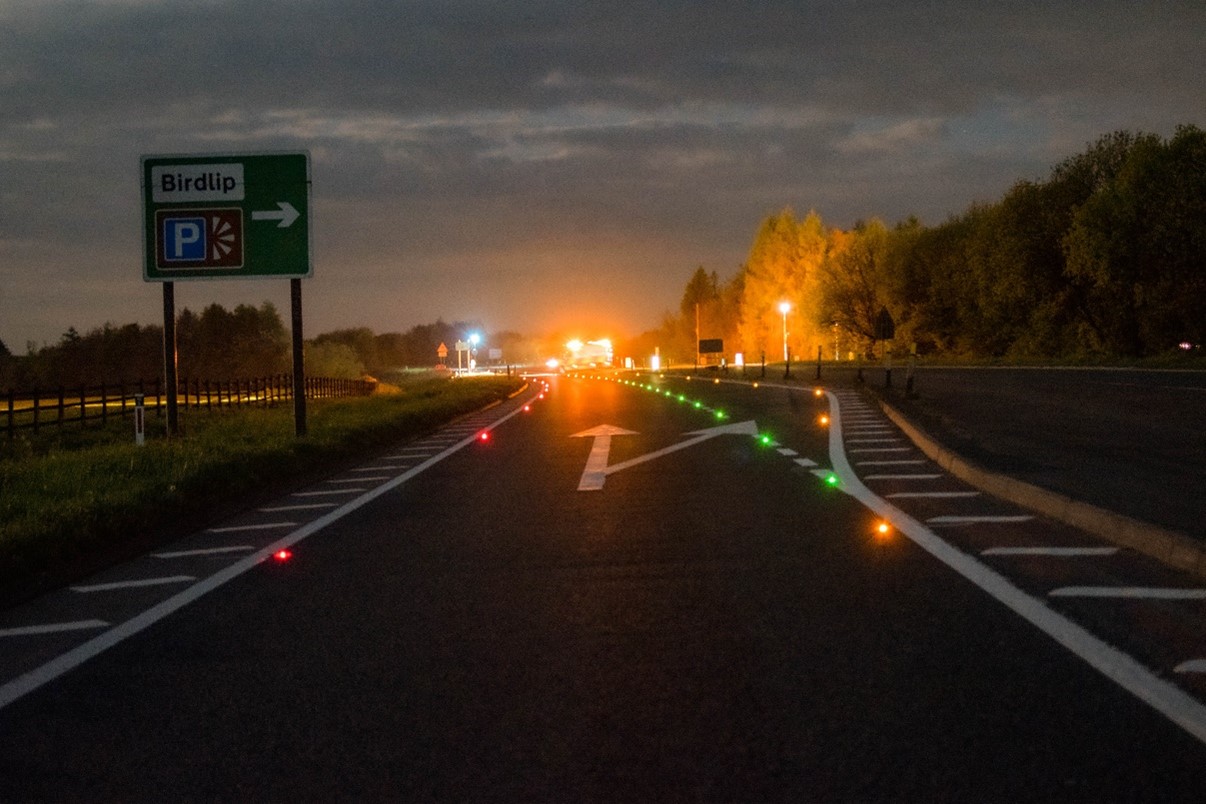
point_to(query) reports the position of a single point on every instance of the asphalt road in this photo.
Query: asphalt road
(712, 624)
(1128, 440)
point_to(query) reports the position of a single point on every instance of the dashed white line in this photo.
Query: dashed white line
(1057, 552)
(326, 493)
(872, 440)
(359, 479)
(1129, 592)
(788, 451)
(902, 477)
(276, 509)
(388, 468)
(53, 628)
(975, 520)
(938, 495)
(110, 587)
(263, 526)
(210, 551)
(881, 449)
(805, 462)
(1192, 666)
(889, 463)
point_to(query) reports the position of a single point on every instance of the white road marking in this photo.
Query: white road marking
(902, 477)
(139, 584)
(882, 449)
(1192, 666)
(974, 520)
(788, 451)
(1129, 592)
(938, 495)
(53, 628)
(28, 682)
(889, 463)
(1174, 703)
(1057, 552)
(325, 493)
(304, 507)
(211, 551)
(380, 468)
(805, 462)
(872, 440)
(361, 479)
(264, 526)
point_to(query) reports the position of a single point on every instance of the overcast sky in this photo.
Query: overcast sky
(541, 164)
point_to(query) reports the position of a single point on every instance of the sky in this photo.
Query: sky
(543, 165)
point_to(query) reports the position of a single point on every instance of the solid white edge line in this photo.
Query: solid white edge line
(976, 520)
(264, 526)
(1191, 666)
(1167, 699)
(27, 682)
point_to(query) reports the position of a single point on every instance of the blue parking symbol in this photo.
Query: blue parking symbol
(183, 239)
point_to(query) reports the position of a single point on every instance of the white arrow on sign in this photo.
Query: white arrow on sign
(597, 469)
(285, 213)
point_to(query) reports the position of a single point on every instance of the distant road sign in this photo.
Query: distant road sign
(226, 216)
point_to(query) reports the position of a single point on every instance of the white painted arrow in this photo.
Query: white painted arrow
(596, 463)
(597, 469)
(285, 213)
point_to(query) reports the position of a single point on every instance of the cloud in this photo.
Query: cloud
(443, 132)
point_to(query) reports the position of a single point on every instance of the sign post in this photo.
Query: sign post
(226, 216)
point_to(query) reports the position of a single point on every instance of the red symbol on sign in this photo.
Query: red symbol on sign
(198, 238)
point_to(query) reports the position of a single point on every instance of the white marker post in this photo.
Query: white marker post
(140, 419)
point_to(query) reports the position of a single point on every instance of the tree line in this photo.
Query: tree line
(1105, 257)
(220, 344)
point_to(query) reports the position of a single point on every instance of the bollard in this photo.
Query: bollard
(140, 419)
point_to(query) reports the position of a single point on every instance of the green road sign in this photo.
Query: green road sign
(226, 216)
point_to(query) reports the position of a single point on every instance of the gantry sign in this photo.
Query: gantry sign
(226, 216)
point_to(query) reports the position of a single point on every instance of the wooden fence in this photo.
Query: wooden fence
(61, 406)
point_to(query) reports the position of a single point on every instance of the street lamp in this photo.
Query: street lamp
(784, 307)
(474, 340)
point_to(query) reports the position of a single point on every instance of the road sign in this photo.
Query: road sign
(442, 351)
(226, 216)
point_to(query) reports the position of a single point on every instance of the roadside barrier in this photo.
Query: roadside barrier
(39, 408)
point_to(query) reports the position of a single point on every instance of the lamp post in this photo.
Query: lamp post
(784, 307)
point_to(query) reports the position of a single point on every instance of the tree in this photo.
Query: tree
(783, 266)
(854, 278)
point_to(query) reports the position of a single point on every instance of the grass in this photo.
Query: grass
(75, 500)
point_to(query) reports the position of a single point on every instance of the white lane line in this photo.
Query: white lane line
(902, 477)
(387, 468)
(805, 462)
(210, 551)
(359, 479)
(240, 528)
(111, 587)
(937, 495)
(1166, 698)
(26, 683)
(888, 463)
(1129, 592)
(788, 451)
(881, 449)
(975, 520)
(1192, 666)
(276, 509)
(872, 440)
(325, 493)
(1056, 552)
(411, 456)
(53, 628)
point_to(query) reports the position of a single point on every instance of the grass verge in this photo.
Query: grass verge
(72, 503)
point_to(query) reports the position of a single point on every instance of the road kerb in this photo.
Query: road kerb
(1168, 546)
